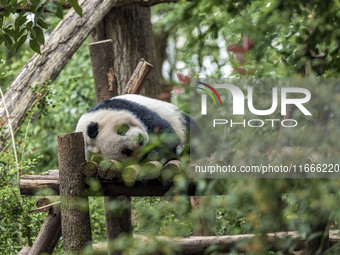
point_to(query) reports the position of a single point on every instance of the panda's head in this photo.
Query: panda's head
(113, 134)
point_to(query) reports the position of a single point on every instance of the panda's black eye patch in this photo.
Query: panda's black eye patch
(127, 152)
(92, 130)
(122, 129)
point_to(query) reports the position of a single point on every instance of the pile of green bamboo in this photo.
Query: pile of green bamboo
(130, 173)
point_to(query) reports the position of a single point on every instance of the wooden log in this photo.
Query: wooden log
(90, 168)
(108, 169)
(113, 230)
(49, 233)
(75, 218)
(135, 84)
(320, 231)
(104, 75)
(197, 245)
(150, 170)
(52, 172)
(35, 183)
(129, 174)
(170, 170)
(201, 224)
(24, 251)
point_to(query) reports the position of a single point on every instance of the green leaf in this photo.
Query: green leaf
(14, 5)
(122, 129)
(29, 24)
(34, 46)
(9, 31)
(76, 7)
(42, 23)
(60, 11)
(33, 33)
(52, 7)
(55, 8)
(8, 41)
(38, 14)
(21, 41)
(20, 21)
(20, 33)
(39, 35)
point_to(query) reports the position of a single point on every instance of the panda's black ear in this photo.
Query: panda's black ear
(92, 130)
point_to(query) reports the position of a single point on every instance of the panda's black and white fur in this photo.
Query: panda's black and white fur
(116, 128)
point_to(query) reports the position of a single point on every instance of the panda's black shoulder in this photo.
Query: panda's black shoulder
(149, 118)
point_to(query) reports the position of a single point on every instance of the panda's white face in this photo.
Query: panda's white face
(113, 134)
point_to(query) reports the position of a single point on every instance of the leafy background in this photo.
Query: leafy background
(210, 39)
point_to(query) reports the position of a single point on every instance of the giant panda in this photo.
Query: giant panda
(119, 127)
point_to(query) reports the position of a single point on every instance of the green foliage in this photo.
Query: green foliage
(76, 7)
(15, 222)
(22, 20)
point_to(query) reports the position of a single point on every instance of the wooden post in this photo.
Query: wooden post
(75, 218)
(115, 225)
(134, 85)
(104, 75)
(106, 87)
(320, 243)
(49, 233)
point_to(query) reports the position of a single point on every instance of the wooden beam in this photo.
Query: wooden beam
(75, 218)
(197, 245)
(49, 233)
(32, 185)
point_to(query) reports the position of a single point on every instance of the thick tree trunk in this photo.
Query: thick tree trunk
(130, 29)
(161, 42)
